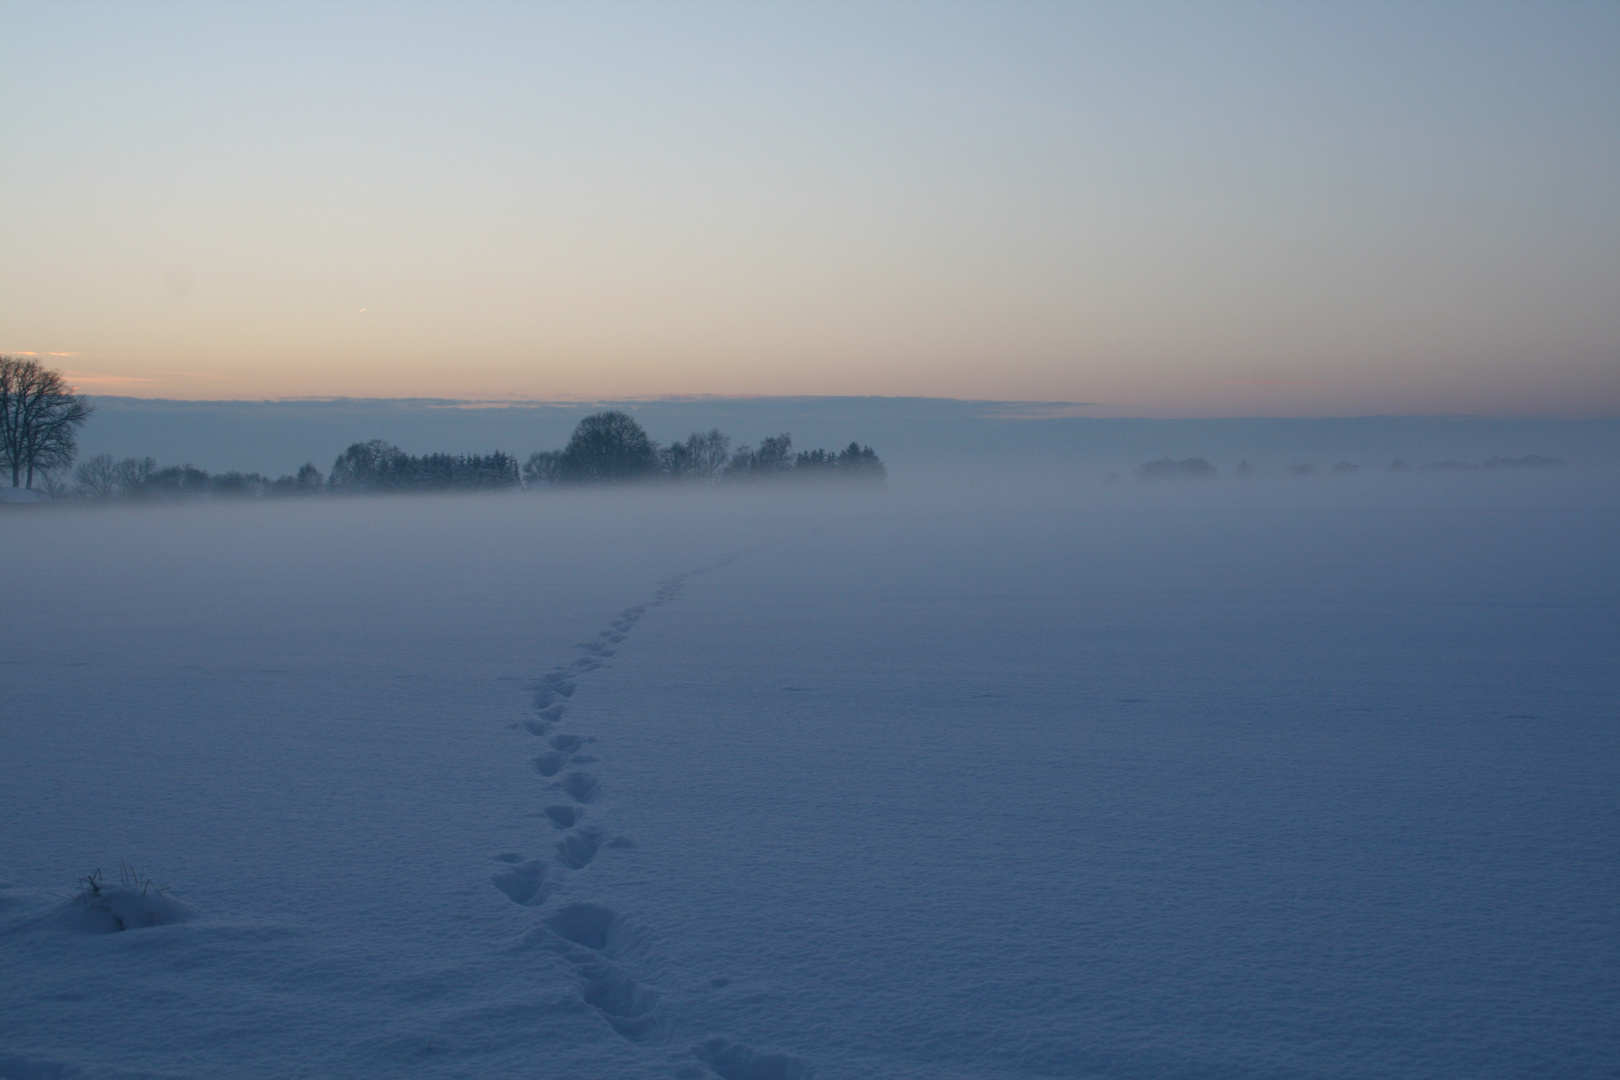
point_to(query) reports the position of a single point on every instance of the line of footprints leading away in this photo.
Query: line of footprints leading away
(601, 947)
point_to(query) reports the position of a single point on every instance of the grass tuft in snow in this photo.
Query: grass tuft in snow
(135, 902)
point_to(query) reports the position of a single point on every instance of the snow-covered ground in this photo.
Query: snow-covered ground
(1276, 779)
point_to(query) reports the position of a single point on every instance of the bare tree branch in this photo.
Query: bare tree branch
(39, 419)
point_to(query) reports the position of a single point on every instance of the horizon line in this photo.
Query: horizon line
(1015, 408)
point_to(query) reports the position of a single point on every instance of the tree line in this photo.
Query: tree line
(606, 448)
(611, 447)
(40, 416)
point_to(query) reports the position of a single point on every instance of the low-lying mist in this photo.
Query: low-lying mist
(1055, 774)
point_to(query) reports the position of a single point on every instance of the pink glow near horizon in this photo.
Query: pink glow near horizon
(1170, 211)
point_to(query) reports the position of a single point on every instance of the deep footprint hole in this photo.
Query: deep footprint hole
(588, 925)
(564, 817)
(550, 764)
(629, 1006)
(525, 884)
(582, 787)
(576, 850)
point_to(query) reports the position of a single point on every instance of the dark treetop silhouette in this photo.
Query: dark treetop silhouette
(39, 419)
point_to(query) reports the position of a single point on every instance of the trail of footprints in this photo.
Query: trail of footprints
(599, 945)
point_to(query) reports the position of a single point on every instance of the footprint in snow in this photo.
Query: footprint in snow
(589, 936)
(582, 786)
(550, 764)
(564, 748)
(586, 934)
(564, 817)
(577, 849)
(524, 883)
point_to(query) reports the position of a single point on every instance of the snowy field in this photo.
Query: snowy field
(952, 780)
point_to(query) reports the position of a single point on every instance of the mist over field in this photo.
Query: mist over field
(1004, 778)
(917, 435)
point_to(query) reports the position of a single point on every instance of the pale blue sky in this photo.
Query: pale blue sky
(1165, 209)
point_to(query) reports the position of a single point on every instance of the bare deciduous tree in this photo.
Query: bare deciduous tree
(607, 446)
(700, 457)
(542, 467)
(774, 458)
(369, 466)
(40, 417)
(97, 477)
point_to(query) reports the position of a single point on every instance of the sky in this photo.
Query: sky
(1142, 209)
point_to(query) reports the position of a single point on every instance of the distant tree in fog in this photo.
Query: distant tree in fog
(775, 454)
(239, 485)
(812, 463)
(382, 466)
(709, 453)
(1171, 469)
(606, 447)
(369, 466)
(543, 467)
(133, 472)
(101, 477)
(774, 458)
(1301, 468)
(496, 470)
(97, 477)
(306, 481)
(612, 446)
(861, 463)
(740, 465)
(700, 457)
(177, 480)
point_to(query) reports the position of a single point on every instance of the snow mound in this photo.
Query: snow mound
(22, 495)
(133, 904)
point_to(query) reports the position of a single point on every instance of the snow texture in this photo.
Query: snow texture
(1275, 779)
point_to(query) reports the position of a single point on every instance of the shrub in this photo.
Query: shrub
(1170, 469)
